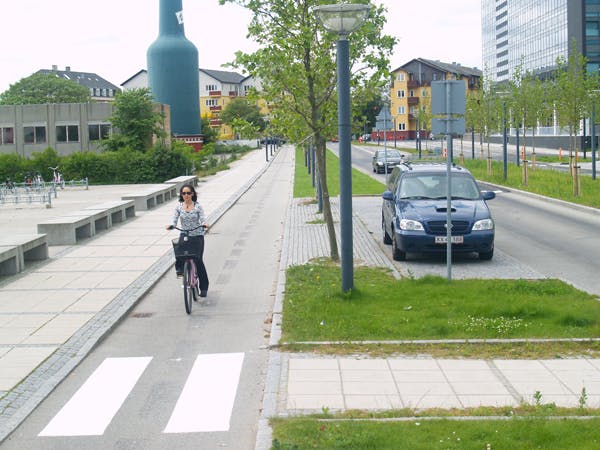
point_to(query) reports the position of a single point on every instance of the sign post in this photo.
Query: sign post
(448, 100)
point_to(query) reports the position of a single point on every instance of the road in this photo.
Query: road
(534, 237)
(165, 380)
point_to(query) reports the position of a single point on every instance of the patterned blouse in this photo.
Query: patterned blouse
(190, 219)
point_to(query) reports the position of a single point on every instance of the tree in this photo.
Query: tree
(297, 68)
(44, 88)
(527, 102)
(239, 111)
(209, 133)
(135, 120)
(571, 93)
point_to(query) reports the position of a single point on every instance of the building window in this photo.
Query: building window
(411, 93)
(7, 136)
(400, 94)
(401, 110)
(67, 133)
(211, 87)
(435, 75)
(401, 126)
(424, 93)
(212, 102)
(34, 135)
(401, 77)
(98, 132)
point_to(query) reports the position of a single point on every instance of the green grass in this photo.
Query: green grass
(550, 183)
(517, 433)
(362, 184)
(381, 307)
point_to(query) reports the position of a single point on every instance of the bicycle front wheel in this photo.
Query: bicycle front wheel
(187, 286)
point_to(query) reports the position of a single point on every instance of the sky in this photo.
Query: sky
(110, 38)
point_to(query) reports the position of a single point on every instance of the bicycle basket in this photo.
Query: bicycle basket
(184, 249)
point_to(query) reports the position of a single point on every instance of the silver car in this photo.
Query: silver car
(390, 157)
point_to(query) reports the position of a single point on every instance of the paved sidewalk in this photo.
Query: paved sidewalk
(54, 313)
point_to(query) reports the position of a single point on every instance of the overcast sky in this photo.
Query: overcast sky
(111, 37)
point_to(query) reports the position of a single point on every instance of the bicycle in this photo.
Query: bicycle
(183, 248)
(57, 179)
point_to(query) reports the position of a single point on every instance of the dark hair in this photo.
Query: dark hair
(191, 188)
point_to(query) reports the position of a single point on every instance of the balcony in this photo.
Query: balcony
(412, 84)
(214, 93)
(411, 117)
(413, 100)
(233, 94)
(216, 108)
(215, 122)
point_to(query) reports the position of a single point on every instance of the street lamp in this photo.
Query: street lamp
(343, 19)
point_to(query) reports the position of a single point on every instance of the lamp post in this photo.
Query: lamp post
(343, 19)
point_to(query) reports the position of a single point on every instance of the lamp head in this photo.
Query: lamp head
(342, 18)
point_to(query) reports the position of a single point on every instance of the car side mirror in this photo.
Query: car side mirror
(488, 195)
(388, 195)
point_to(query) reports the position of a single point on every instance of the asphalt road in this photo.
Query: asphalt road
(217, 356)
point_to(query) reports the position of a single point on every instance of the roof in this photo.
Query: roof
(87, 79)
(133, 76)
(224, 76)
(447, 67)
(220, 75)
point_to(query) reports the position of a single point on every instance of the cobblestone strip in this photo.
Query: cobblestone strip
(310, 240)
(25, 397)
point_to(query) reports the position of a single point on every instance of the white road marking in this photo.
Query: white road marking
(206, 401)
(93, 406)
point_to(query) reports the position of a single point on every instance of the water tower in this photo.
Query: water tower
(173, 73)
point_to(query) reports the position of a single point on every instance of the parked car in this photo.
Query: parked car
(414, 212)
(391, 157)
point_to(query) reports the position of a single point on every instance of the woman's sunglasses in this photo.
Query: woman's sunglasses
(186, 193)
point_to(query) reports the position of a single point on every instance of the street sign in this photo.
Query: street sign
(456, 126)
(439, 97)
(383, 120)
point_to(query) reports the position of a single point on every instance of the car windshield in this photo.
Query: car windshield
(433, 186)
(389, 154)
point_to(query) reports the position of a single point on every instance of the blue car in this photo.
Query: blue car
(414, 212)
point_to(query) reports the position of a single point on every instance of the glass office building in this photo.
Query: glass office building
(533, 33)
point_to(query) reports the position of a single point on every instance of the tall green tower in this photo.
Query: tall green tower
(173, 70)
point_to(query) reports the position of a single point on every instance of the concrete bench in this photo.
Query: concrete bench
(76, 225)
(118, 210)
(152, 196)
(184, 179)
(17, 250)
(68, 229)
(9, 260)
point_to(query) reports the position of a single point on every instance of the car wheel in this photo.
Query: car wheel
(386, 237)
(486, 256)
(397, 254)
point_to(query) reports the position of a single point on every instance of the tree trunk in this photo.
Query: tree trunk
(327, 215)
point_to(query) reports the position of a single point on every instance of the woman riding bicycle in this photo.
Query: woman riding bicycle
(191, 215)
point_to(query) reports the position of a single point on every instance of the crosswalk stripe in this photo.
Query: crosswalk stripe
(206, 401)
(93, 406)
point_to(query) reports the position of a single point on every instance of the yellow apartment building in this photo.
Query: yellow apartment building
(410, 95)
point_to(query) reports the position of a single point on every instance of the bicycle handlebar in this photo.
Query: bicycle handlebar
(172, 227)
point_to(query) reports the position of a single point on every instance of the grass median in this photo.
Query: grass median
(362, 184)
(516, 433)
(381, 308)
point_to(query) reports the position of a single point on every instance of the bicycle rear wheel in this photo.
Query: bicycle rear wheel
(187, 287)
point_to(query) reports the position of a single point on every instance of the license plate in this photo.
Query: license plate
(453, 239)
